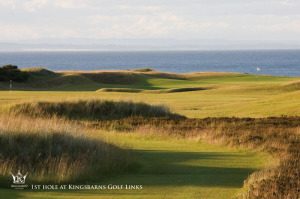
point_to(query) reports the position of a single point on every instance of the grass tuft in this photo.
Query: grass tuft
(95, 110)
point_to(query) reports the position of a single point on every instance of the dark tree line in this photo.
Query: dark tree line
(11, 72)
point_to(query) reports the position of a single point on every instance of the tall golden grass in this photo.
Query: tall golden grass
(91, 109)
(54, 150)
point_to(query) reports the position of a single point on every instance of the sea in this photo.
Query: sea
(270, 62)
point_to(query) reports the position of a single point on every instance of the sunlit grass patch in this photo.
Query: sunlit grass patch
(277, 136)
(53, 150)
(92, 109)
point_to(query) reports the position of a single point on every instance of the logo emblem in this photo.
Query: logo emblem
(19, 178)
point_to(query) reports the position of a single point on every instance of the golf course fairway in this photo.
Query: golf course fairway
(169, 169)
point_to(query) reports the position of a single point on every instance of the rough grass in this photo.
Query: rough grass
(67, 79)
(115, 77)
(55, 151)
(38, 71)
(278, 136)
(292, 86)
(95, 110)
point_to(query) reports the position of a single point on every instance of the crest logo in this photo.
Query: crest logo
(19, 178)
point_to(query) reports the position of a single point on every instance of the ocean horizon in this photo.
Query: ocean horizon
(270, 62)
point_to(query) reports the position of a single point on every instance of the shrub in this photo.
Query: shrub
(11, 72)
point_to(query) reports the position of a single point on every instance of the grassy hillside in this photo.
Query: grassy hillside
(196, 95)
(43, 79)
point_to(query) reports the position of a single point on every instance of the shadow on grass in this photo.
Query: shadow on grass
(195, 168)
(202, 169)
(83, 82)
(165, 169)
(184, 169)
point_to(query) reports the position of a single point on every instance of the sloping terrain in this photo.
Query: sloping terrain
(43, 79)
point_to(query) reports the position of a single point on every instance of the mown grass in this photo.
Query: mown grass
(43, 79)
(223, 94)
(278, 136)
(168, 169)
(55, 151)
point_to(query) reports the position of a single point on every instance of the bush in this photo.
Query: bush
(11, 72)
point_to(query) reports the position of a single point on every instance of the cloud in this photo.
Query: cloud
(290, 3)
(71, 4)
(143, 18)
(13, 31)
(20, 32)
(11, 3)
(293, 26)
(137, 25)
(149, 25)
(35, 4)
(140, 8)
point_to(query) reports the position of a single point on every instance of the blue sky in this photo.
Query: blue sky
(265, 20)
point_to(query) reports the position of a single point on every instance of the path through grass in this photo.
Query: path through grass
(170, 169)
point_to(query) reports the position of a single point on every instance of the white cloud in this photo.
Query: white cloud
(18, 32)
(140, 8)
(59, 32)
(35, 4)
(156, 25)
(291, 3)
(11, 3)
(293, 26)
(71, 4)
(137, 25)
(232, 19)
